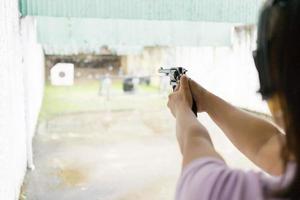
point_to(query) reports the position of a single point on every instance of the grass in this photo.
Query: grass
(83, 97)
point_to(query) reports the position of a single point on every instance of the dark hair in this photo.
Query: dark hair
(285, 63)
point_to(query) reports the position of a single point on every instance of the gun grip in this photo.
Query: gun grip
(194, 108)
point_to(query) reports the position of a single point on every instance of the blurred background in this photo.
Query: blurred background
(83, 106)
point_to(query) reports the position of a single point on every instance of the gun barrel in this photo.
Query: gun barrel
(164, 71)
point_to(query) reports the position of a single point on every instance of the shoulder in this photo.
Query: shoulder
(212, 179)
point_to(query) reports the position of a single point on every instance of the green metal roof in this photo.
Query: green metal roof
(237, 11)
(94, 33)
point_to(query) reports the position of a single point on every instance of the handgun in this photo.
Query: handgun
(175, 74)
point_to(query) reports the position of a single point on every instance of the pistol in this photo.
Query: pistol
(175, 74)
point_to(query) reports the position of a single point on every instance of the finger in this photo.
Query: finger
(192, 83)
(184, 83)
(195, 86)
(177, 87)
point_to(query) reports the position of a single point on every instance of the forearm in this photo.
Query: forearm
(249, 133)
(195, 141)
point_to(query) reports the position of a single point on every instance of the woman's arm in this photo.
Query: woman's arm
(257, 138)
(195, 139)
(192, 136)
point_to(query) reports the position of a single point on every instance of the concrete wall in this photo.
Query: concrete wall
(228, 72)
(224, 72)
(21, 89)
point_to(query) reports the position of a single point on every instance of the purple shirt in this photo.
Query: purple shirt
(212, 179)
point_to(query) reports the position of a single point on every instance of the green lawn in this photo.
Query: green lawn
(83, 97)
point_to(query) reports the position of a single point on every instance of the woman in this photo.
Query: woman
(205, 175)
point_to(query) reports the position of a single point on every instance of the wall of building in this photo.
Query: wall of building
(228, 72)
(21, 91)
(87, 66)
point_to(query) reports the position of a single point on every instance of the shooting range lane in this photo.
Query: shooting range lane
(124, 156)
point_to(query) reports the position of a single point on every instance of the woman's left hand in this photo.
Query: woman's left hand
(181, 99)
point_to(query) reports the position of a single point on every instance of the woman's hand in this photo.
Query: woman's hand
(199, 94)
(180, 104)
(181, 99)
(192, 136)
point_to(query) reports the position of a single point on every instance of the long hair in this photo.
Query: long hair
(285, 59)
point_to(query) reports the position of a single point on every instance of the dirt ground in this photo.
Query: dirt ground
(96, 156)
(126, 154)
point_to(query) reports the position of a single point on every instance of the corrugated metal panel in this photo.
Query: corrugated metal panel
(94, 33)
(240, 11)
(71, 50)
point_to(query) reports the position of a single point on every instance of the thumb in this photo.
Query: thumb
(184, 83)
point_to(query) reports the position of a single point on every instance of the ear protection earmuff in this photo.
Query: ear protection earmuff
(262, 54)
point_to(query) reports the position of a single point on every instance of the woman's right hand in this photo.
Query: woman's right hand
(199, 94)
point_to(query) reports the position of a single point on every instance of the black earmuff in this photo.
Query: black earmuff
(262, 54)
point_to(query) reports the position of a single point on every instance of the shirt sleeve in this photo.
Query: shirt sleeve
(212, 179)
